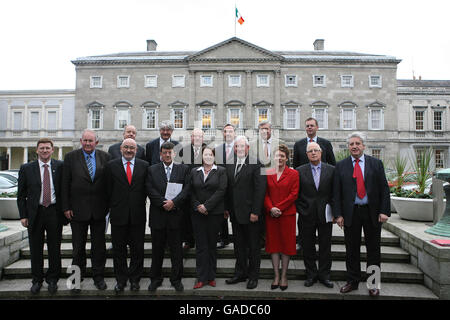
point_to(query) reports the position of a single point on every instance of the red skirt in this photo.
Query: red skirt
(280, 234)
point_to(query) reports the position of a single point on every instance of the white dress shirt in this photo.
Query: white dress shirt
(125, 161)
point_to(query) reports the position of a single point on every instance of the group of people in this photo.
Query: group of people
(193, 190)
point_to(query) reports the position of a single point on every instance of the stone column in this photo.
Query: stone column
(60, 153)
(191, 110)
(220, 116)
(248, 112)
(25, 154)
(8, 152)
(277, 117)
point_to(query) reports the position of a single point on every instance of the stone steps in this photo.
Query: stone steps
(20, 289)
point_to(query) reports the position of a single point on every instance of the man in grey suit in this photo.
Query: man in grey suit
(315, 194)
(129, 132)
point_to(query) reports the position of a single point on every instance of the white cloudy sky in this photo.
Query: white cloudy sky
(39, 38)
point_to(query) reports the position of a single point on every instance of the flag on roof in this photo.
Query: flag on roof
(239, 17)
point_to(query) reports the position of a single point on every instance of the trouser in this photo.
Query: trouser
(45, 222)
(98, 246)
(133, 236)
(161, 237)
(206, 229)
(247, 250)
(324, 230)
(223, 233)
(372, 235)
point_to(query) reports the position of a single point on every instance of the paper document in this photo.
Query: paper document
(328, 214)
(107, 223)
(172, 190)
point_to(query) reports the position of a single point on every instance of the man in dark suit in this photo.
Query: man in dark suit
(166, 215)
(127, 196)
(129, 132)
(39, 203)
(361, 201)
(85, 203)
(315, 194)
(244, 202)
(225, 154)
(300, 157)
(191, 156)
(153, 148)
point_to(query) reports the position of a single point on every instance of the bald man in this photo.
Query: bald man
(127, 196)
(129, 132)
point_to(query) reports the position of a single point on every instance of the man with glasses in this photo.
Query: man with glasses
(313, 203)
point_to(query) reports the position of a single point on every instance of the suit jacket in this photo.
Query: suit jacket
(127, 202)
(221, 155)
(257, 150)
(29, 189)
(156, 189)
(282, 193)
(152, 150)
(187, 157)
(376, 185)
(245, 193)
(114, 151)
(311, 202)
(86, 198)
(210, 193)
(301, 158)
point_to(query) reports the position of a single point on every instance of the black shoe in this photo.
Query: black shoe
(235, 280)
(283, 288)
(36, 287)
(100, 284)
(310, 282)
(178, 286)
(154, 285)
(135, 286)
(298, 247)
(252, 284)
(221, 245)
(52, 287)
(119, 287)
(327, 283)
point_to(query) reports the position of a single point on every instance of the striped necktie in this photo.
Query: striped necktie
(90, 166)
(46, 196)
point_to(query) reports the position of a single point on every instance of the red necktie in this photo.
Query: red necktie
(357, 173)
(46, 197)
(311, 140)
(129, 172)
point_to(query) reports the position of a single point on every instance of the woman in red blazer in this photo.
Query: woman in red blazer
(279, 205)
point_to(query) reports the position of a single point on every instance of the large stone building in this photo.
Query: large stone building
(26, 116)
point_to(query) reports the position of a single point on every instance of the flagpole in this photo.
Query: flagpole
(235, 8)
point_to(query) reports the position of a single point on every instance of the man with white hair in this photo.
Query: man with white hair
(129, 132)
(361, 201)
(153, 148)
(244, 202)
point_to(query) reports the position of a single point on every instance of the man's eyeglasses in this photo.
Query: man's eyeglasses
(129, 147)
(313, 150)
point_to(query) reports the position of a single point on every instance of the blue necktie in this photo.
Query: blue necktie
(90, 166)
(316, 176)
(168, 174)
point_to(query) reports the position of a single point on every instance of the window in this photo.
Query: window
(439, 158)
(51, 121)
(95, 118)
(96, 81)
(262, 80)
(234, 117)
(17, 121)
(376, 153)
(437, 120)
(290, 80)
(122, 117)
(206, 117)
(319, 81)
(234, 80)
(262, 114)
(151, 81)
(348, 118)
(419, 120)
(321, 115)
(178, 118)
(150, 119)
(376, 119)
(347, 81)
(34, 120)
(375, 81)
(178, 81)
(206, 81)
(291, 118)
(123, 81)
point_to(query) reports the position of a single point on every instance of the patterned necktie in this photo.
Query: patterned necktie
(227, 152)
(168, 174)
(238, 169)
(316, 176)
(129, 175)
(357, 173)
(90, 166)
(46, 197)
(266, 149)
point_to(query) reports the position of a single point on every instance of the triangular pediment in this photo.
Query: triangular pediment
(235, 49)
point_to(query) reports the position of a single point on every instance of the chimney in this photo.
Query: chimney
(319, 44)
(151, 45)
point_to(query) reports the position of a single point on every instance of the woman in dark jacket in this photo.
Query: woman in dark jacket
(208, 185)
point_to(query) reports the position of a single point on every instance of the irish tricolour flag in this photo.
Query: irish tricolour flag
(239, 17)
